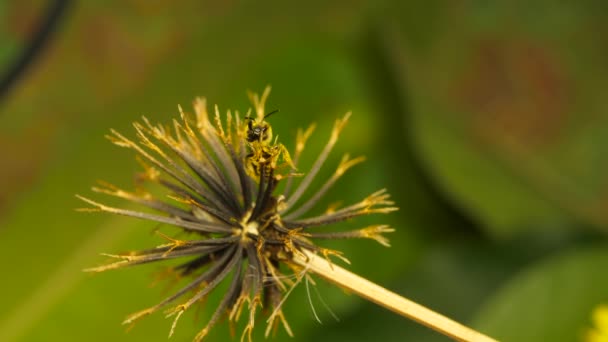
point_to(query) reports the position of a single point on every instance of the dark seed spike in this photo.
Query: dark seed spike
(213, 162)
(301, 138)
(377, 199)
(256, 263)
(219, 151)
(344, 166)
(236, 293)
(260, 193)
(151, 203)
(273, 299)
(176, 253)
(374, 232)
(352, 234)
(336, 217)
(247, 279)
(175, 170)
(274, 242)
(167, 208)
(221, 191)
(122, 141)
(235, 256)
(266, 296)
(377, 202)
(267, 199)
(185, 193)
(324, 220)
(229, 220)
(219, 242)
(293, 199)
(338, 126)
(280, 229)
(219, 170)
(271, 284)
(228, 298)
(197, 166)
(211, 273)
(303, 244)
(243, 178)
(193, 226)
(215, 240)
(217, 213)
(180, 245)
(273, 295)
(241, 147)
(187, 268)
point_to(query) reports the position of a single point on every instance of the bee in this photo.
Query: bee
(265, 153)
(259, 131)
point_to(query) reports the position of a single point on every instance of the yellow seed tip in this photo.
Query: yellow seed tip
(137, 315)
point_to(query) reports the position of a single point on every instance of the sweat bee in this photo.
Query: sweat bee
(260, 131)
(265, 153)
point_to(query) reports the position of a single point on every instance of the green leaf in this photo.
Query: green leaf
(550, 301)
(507, 117)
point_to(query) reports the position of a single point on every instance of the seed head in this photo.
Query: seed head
(221, 182)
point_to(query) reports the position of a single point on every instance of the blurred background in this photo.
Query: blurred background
(486, 121)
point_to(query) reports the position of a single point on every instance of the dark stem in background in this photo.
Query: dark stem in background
(47, 25)
(385, 73)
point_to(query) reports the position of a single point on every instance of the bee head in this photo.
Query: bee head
(259, 130)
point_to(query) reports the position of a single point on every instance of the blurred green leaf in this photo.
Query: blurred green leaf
(508, 118)
(550, 301)
(448, 136)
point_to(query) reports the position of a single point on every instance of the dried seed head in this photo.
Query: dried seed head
(221, 188)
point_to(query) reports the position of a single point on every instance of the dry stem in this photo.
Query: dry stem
(388, 299)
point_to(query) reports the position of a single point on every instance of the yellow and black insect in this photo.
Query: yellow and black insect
(260, 131)
(265, 154)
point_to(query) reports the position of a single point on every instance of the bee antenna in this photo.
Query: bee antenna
(269, 114)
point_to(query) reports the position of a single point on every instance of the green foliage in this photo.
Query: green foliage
(550, 301)
(486, 125)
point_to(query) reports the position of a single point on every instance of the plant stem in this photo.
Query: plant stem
(390, 300)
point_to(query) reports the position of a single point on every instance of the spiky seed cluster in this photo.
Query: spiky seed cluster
(222, 189)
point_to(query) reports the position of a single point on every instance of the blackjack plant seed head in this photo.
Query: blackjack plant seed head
(221, 178)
